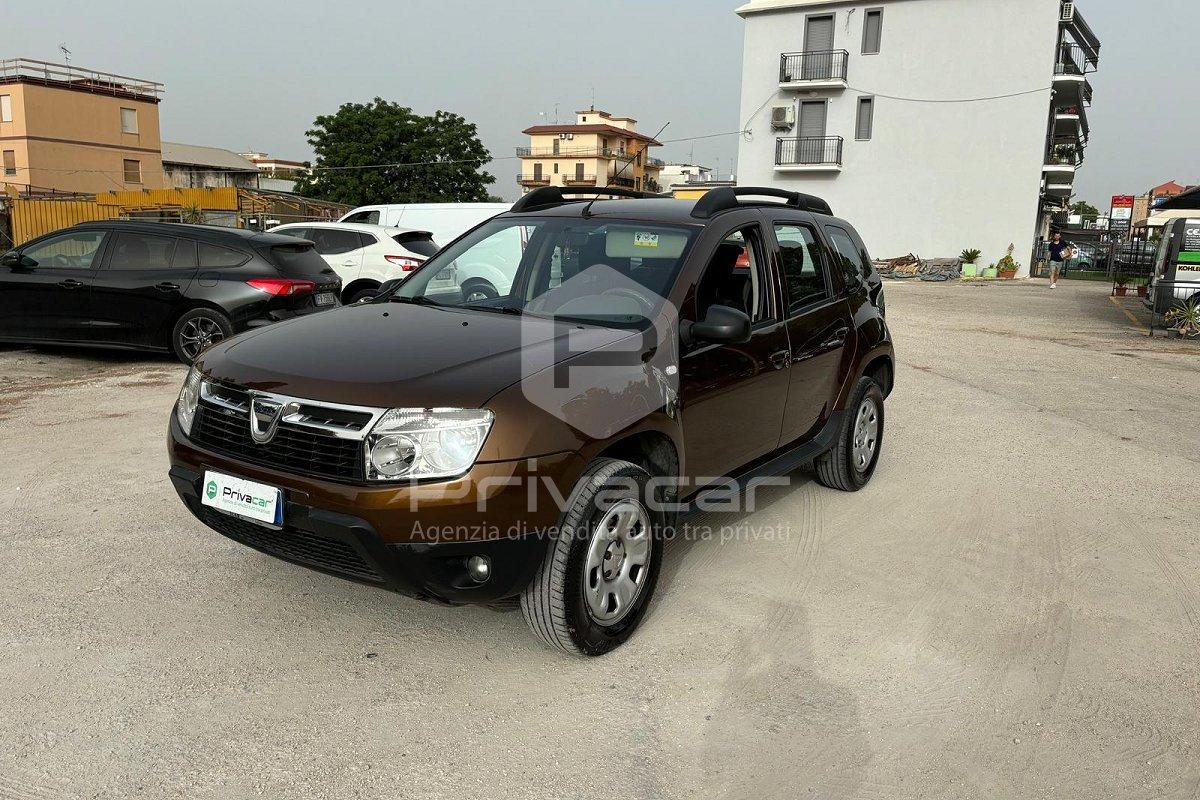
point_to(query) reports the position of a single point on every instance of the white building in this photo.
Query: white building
(866, 105)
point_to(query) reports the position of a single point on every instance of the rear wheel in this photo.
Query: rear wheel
(196, 331)
(597, 579)
(475, 290)
(851, 463)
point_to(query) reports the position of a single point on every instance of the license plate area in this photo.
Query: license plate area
(325, 299)
(257, 502)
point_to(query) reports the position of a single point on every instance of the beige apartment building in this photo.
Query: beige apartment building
(71, 129)
(598, 149)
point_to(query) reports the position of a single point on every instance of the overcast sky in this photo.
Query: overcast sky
(254, 76)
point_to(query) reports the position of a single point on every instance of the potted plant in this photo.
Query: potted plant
(1007, 267)
(1143, 290)
(990, 271)
(969, 257)
(1184, 320)
(1120, 288)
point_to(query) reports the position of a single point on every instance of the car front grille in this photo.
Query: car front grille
(225, 429)
(295, 545)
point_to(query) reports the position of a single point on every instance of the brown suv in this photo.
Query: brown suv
(644, 356)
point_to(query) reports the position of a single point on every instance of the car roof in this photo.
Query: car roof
(205, 233)
(665, 210)
(381, 230)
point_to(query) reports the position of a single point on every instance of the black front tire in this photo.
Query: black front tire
(209, 325)
(554, 603)
(848, 466)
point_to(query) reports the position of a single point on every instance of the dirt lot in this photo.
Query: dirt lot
(1010, 610)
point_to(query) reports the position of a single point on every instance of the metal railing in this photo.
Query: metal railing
(573, 178)
(1065, 151)
(814, 65)
(808, 150)
(1073, 60)
(574, 152)
(534, 179)
(92, 80)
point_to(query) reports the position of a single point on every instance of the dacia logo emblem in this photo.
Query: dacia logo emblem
(264, 418)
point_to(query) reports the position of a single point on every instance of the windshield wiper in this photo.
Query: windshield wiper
(420, 300)
(516, 312)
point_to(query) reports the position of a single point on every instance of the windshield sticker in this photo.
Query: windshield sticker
(641, 239)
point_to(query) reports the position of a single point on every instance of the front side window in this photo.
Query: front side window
(736, 276)
(803, 270)
(133, 171)
(139, 251)
(129, 120)
(612, 273)
(850, 261)
(332, 242)
(69, 251)
(366, 217)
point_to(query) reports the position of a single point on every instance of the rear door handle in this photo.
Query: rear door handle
(780, 359)
(167, 286)
(837, 339)
(71, 283)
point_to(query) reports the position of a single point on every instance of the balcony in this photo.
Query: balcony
(1071, 122)
(817, 69)
(573, 152)
(655, 163)
(13, 70)
(579, 180)
(809, 154)
(536, 179)
(1071, 86)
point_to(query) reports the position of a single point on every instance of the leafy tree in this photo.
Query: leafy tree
(1085, 210)
(443, 151)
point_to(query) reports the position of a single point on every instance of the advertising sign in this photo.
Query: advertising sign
(1121, 215)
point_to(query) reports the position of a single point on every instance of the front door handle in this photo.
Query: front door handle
(167, 286)
(780, 359)
(71, 283)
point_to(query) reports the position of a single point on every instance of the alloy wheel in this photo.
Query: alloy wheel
(198, 334)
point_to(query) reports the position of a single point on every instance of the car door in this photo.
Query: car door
(732, 396)
(820, 333)
(342, 249)
(46, 287)
(141, 287)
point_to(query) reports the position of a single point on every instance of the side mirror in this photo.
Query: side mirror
(722, 325)
(10, 259)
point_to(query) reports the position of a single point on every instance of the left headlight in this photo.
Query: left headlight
(414, 443)
(189, 396)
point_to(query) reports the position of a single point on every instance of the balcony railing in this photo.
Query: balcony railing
(572, 179)
(77, 77)
(655, 162)
(573, 152)
(809, 150)
(534, 180)
(1073, 60)
(813, 66)
(1064, 151)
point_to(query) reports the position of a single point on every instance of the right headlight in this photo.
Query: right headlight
(415, 443)
(189, 397)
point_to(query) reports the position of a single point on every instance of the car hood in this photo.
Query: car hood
(399, 355)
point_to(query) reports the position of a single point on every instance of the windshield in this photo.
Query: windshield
(610, 272)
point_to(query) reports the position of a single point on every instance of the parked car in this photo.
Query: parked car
(1176, 273)
(446, 221)
(466, 471)
(157, 286)
(364, 256)
(1088, 257)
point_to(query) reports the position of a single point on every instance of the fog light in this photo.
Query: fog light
(479, 568)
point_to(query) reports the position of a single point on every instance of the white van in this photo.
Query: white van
(446, 221)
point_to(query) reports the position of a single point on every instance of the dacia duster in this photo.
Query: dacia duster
(540, 447)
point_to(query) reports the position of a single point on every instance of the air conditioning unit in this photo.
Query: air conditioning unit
(1068, 12)
(783, 117)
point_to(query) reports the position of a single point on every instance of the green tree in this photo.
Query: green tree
(1085, 209)
(443, 152)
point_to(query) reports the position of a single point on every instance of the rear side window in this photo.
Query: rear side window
(213, 256)
(850, 261)
(417, 242)
(297, 259)
(332, 242)
(367, 239)
(803, 272)
(141, 251)
(364, 217)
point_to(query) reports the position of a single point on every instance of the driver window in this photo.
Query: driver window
(69, 251)
(736, 276)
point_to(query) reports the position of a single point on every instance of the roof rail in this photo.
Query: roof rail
(550, 196)
(726, 197)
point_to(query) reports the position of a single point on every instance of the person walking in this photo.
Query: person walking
(1060, 251)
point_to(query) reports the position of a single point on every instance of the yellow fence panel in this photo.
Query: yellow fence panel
(221, 198)
(32, 218)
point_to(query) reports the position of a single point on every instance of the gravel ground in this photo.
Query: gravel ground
(1010, 610)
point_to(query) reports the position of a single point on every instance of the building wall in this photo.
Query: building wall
(934, 178)
(191, 176)
(71, 140)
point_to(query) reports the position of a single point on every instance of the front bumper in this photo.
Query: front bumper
(410, 539)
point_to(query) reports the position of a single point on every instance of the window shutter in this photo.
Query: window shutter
(872, 31)
(866, 118)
